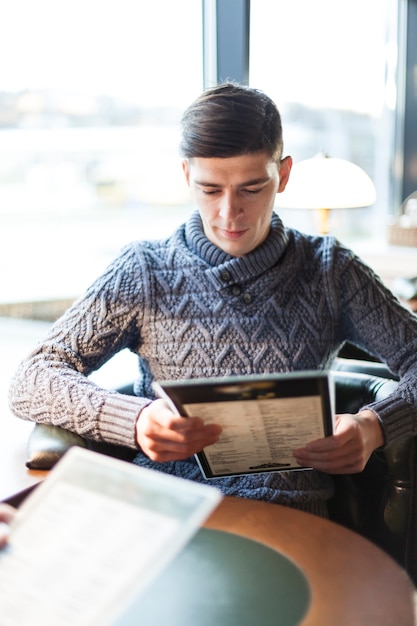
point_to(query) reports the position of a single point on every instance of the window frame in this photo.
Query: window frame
(225, 61)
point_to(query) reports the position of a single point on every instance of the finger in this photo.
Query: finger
(345, 461)
(161, 451)
(343, 436)
(7, 513)
(166, 419)
(196, 438)
(202, 433)
(4, 533)
(349, 450)
(320, 446)
(347, 466)
(183, 424)
(178, 444)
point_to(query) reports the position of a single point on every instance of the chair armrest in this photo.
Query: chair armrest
(359, 366)
(47, 444)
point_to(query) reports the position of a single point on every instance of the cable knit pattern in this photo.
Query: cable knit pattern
(190, 310)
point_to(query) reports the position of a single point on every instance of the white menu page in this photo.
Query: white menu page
(259, 435)
(91, 537)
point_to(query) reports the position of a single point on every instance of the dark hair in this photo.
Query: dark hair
(231, 120)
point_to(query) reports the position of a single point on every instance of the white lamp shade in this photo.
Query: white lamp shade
(324, 182)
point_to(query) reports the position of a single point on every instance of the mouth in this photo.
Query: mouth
(232, 234)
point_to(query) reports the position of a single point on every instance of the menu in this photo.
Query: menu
(91, 537)
(263, 418)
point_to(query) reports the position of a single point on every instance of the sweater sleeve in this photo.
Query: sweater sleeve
(51, 385)
(373, 318)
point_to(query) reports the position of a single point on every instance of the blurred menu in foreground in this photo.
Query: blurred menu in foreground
(91, 537)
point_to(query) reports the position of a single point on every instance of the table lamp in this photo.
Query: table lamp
(323, 183)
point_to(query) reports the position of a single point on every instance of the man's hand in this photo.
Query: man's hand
(7, 514)
(164, 436)
(346, 451)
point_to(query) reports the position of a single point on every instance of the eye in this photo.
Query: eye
(253, 191)
(209, 192)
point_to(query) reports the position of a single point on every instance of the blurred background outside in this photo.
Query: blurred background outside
(91, 94)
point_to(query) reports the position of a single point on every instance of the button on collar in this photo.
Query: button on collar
(247, 297)
(225, 275)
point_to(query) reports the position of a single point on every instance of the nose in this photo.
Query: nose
(229, 207)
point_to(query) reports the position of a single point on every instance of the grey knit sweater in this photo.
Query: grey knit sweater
(190, 310)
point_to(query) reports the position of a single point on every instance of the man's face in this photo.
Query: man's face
(235, 197)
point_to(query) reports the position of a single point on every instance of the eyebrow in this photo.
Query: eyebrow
(247, 183)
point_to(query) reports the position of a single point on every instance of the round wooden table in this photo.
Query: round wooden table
(352, 582)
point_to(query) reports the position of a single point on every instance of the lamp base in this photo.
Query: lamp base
(323, 219)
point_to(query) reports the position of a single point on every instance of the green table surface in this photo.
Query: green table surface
(221, 579)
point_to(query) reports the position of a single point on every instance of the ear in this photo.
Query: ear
(186, 170)
(284, 173)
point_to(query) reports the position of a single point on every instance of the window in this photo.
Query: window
(91, 94)
(331, 66)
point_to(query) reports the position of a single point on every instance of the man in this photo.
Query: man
(232, 292)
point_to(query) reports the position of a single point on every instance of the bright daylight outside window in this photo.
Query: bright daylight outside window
(330, 66)
(91, 92)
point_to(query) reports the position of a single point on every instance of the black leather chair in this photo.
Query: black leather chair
(379, 503)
